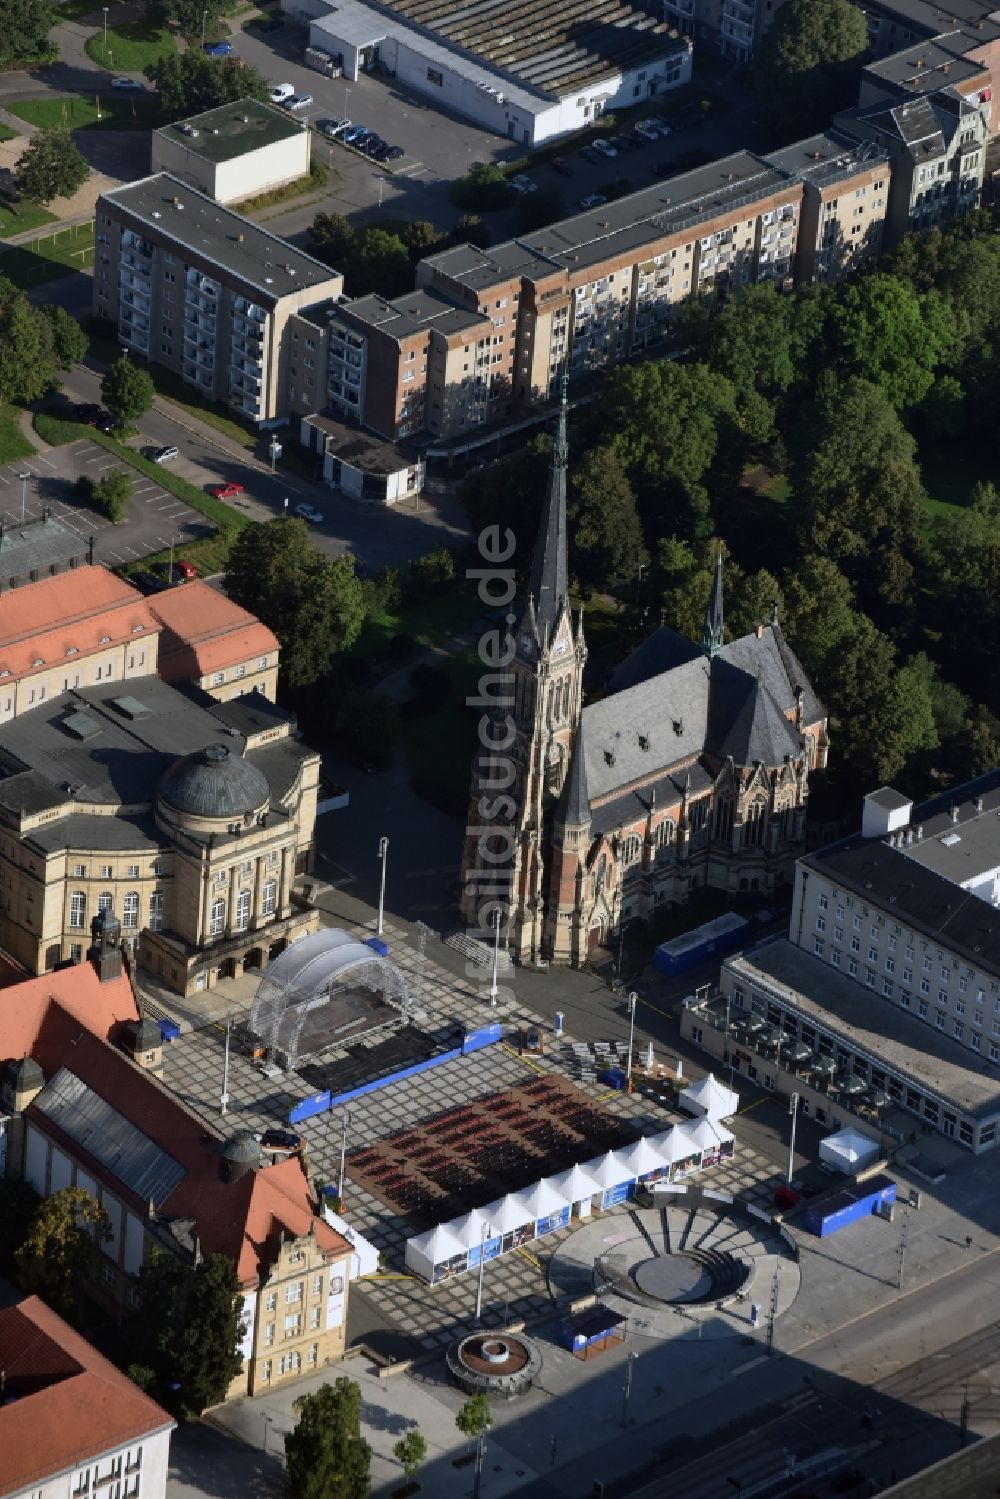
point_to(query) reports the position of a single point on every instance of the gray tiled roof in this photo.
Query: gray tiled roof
(620, 811)
(79, 830)
(758, 730)
(37, 546)
(668, 712)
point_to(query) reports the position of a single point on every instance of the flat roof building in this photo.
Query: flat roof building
(202, 290)
(34, 549)
(235, 151)
(537, 74)
(845, 193)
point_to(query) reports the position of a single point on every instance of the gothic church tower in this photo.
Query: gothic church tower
(517, 783)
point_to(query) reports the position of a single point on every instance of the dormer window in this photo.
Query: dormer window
(38, 661)
(137, 629)
(105, 640)
(72, 650)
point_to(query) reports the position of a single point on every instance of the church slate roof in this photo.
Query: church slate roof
(620, 811)
(574, 806)
(669, 712)
(756, 729)
(549, 572)
(659, 652)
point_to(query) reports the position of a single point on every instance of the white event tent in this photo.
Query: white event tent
(549, 1204)
(848, 1150)
(710, 1098)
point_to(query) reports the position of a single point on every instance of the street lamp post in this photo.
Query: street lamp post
(383, 849)
(343, 1155)
(627, 1386)
(487, 1233)
(793, 1109)
(632, 1001)
(204, 21)
(224, 1100)
(347, 95)
(105, 9)
(496, 957)
(24, 490)
(381, 184)
(267, 1421)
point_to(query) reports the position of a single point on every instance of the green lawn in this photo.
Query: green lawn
(950, 475)
(313, 180)
(108, 110)
(49, 257)
(72, 10)
(439, 746)
(434, 623)
(131, 47)
(209, 554)
(6, 134)
(19, 218)
(13, 443)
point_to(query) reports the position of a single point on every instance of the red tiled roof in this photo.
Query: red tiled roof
(76, 993)
(57, 620)
(203, 631)
(240, 1219)
(69, 1404)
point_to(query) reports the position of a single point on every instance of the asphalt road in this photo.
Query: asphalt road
(378, 537)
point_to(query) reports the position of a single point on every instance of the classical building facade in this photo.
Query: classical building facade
(693, 772)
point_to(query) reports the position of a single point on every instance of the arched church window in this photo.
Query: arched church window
(631, 850)
(601, 872)
(664, 838)
(753, 825)
(697, 815)
(724, 818)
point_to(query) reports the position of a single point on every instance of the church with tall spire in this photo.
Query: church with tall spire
(693, 771)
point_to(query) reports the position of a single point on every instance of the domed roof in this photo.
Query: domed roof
(214, 782)
(242, 1148)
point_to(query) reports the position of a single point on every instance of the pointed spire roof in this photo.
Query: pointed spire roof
(549, 571)
(574, 805)
(713, 633)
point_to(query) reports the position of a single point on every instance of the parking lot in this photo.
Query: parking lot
(155, 517)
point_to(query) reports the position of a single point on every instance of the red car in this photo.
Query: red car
(225, 491)
(185, 569)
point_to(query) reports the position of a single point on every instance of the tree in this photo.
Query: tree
(314, 605)
(606, 533)
(192, 18)
(186, 1328)
(60, 1250)
(471, 228)
(820, 612)
(883, 712)
(27, 360)
(534, 210)
(380, 263)
(484, 186)
(25, 27)
(69, 342)
(127, 390)
(111, 496)
(880, 330)
(507, 493)
(50, 167)
(191, 83)
(475, 1417)
(807, 65)
(410, 1452)
(330, 238)
(326, 1455)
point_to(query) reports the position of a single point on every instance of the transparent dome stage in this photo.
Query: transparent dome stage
(323, 991)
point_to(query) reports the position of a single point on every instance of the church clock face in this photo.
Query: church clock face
(527, 645)
(561, 647)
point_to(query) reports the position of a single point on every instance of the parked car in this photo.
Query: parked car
(523, 184)
(663, 129)
(280, 1139)
(185, 570)
(299, 101)
(87, 413)
(589, 154)
(282, 91)
(309, 513)
(226, 491)
(604, 148)
(148, 583)
(647, 130)
(106, 423)
(393, 153)
(217, 49)
(593, 200)
(353, 133)
(164, 455)
(333, 128)
(561, 164)
(622, 144)
(371, 144)
(129, 83)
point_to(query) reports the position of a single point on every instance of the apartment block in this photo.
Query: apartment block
(845, 191)
(730, 27)
(600, 286)
(937, 151)
(203, 291)
(920, 31)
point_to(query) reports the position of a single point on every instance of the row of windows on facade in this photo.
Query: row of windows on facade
(879, 1077)
(157, 903)
(124, 1465)
(289, 1363)
(752, 833)
(948, 966)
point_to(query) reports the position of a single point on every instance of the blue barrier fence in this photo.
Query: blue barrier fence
(320, 1103)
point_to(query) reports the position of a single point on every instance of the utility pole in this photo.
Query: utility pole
(627, 1386)
(224, 1100)
(24, 489)
(383, 849)
(496, 957)
(632, 1001)
(343, 1155)
(773, 1308)
(487, 1233)
(793, 1109)
(901, 1252)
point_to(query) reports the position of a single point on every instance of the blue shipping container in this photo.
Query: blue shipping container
(723, 935)
(850, 1205)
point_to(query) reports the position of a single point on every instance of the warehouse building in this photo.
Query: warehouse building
(236, 151)
(532, 74)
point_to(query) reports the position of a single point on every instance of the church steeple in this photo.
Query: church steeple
(574, 805)
(712, 634)
(549, 571)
